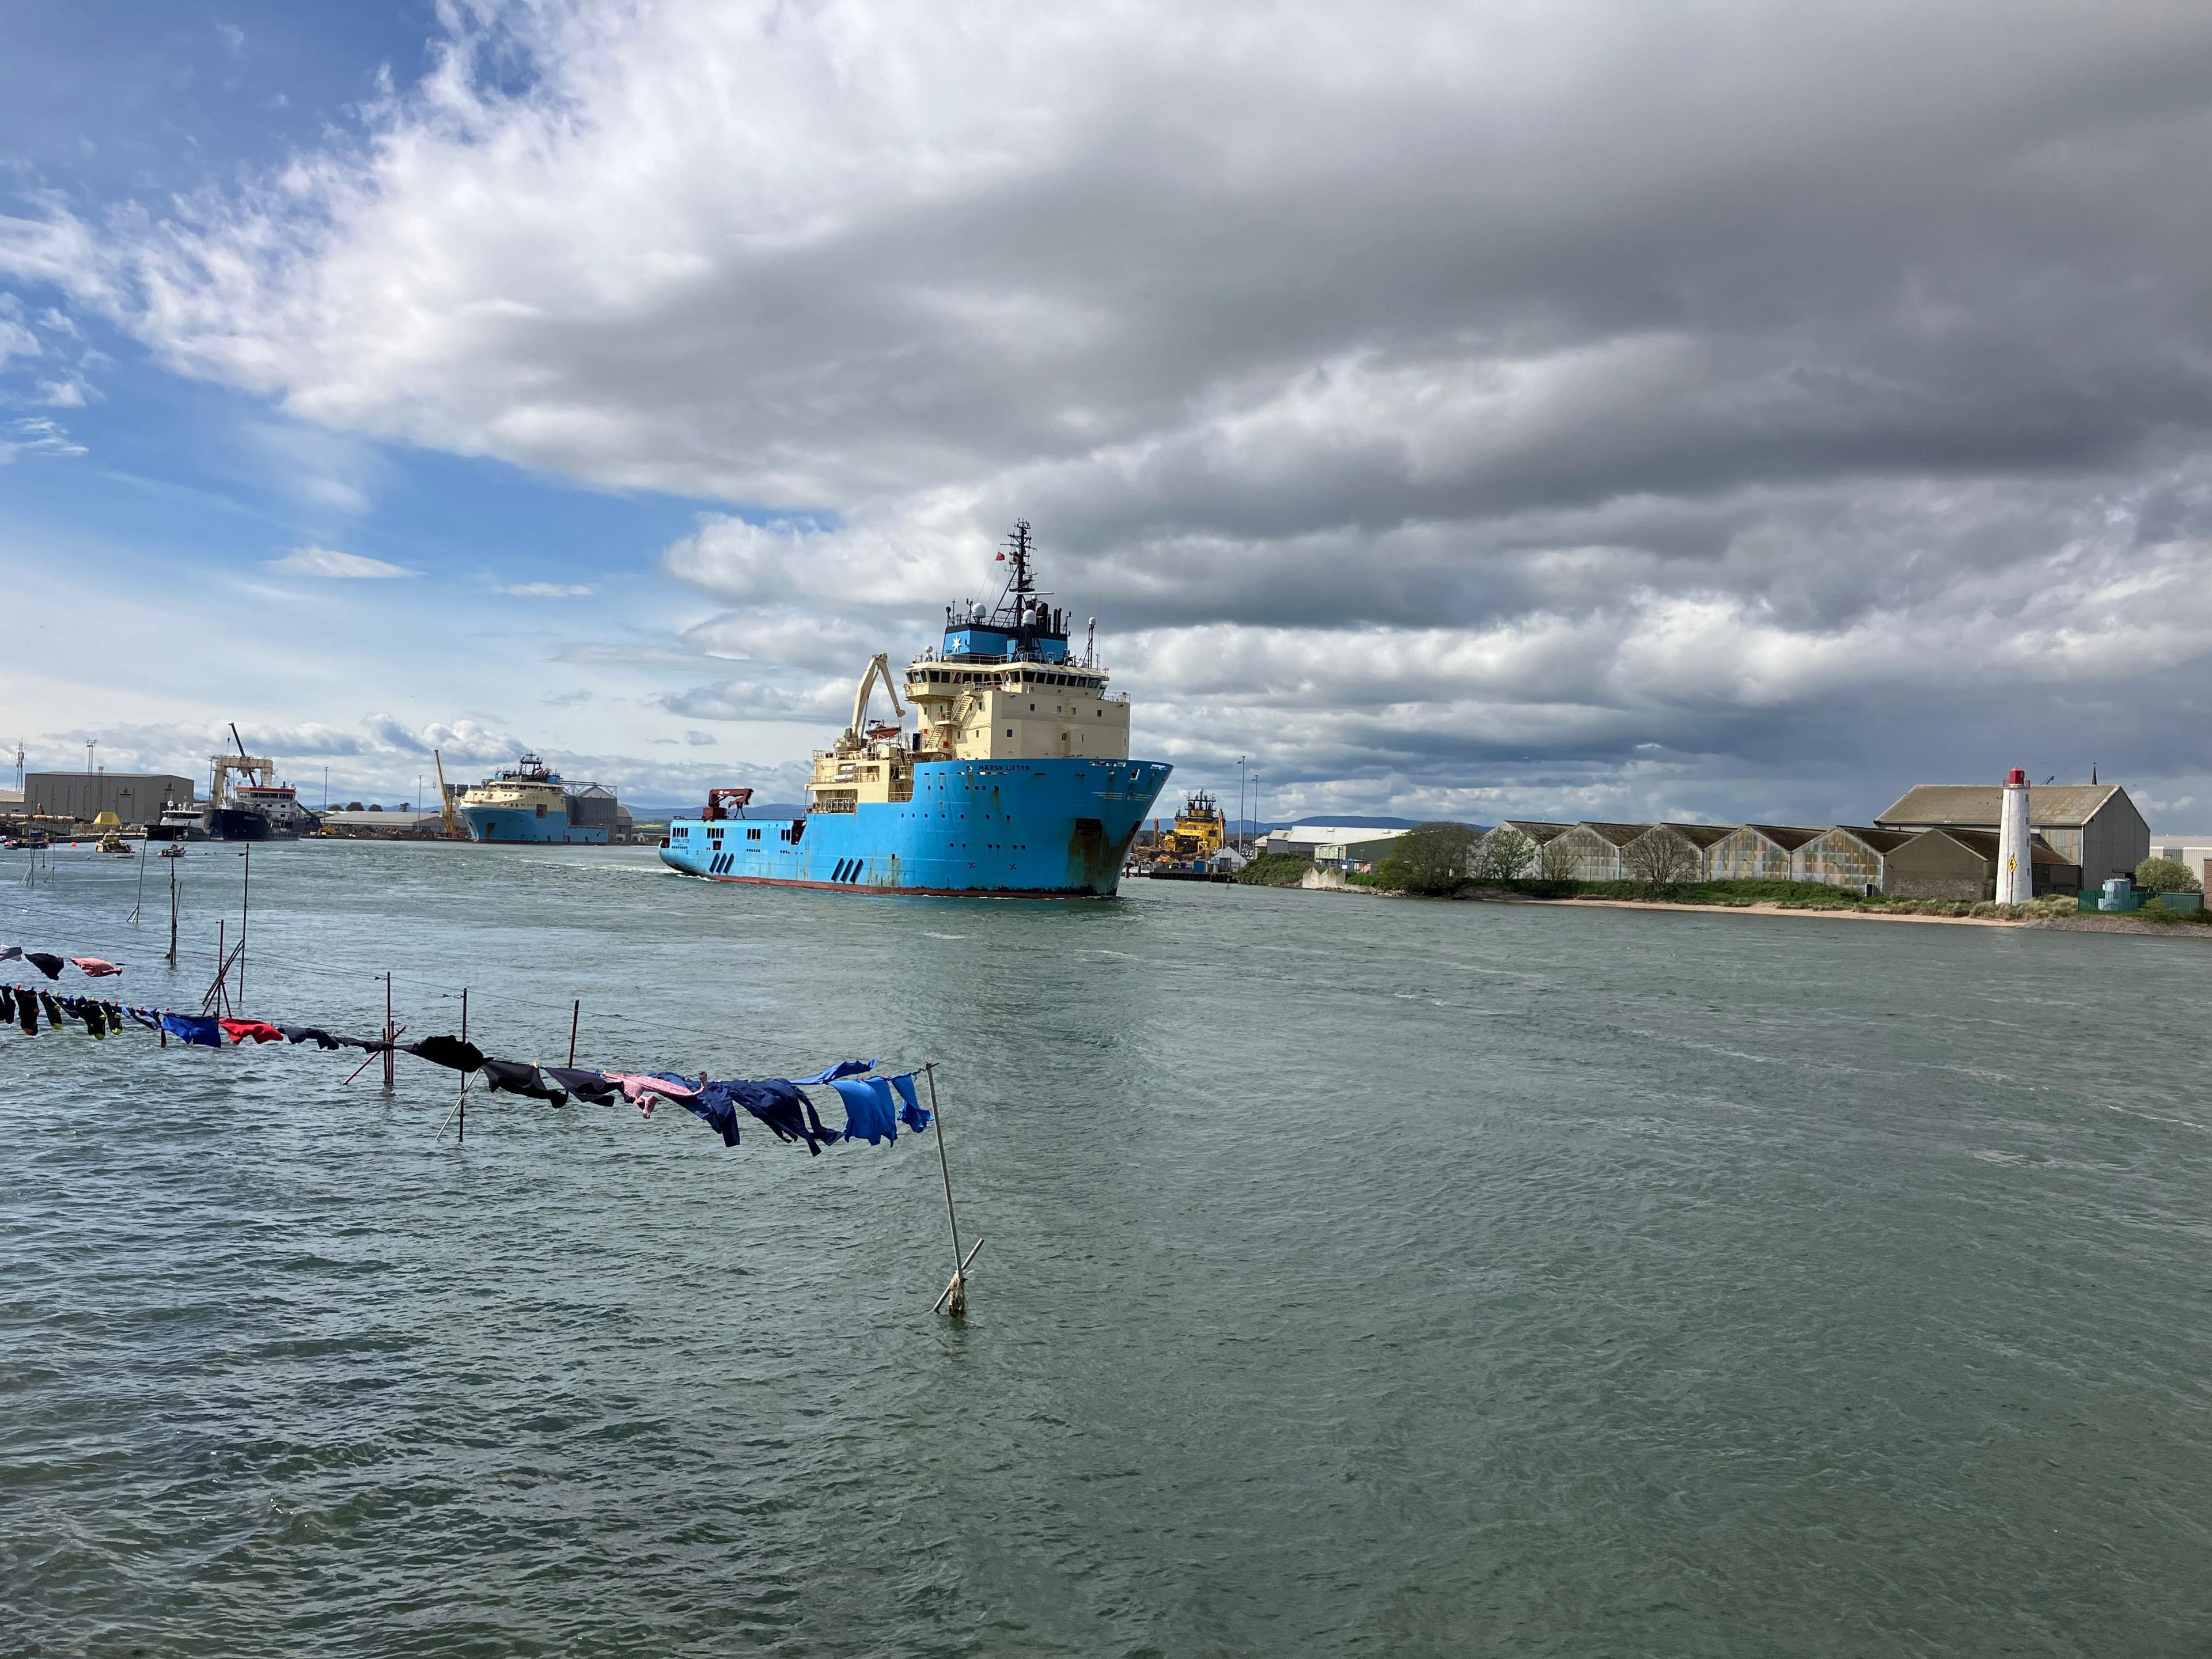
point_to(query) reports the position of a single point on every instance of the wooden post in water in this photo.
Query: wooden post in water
(173, 912)
(390, 1035)
(575, 1014)
(957, 1289)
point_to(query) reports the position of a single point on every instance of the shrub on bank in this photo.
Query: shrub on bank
(1433, 858)
(2166, 876)
(1275, 870)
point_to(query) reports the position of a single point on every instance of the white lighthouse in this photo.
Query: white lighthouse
(2015, 861)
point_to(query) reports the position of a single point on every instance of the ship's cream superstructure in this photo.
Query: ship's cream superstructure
(970, 711)
(517, 792)
(1014, 778)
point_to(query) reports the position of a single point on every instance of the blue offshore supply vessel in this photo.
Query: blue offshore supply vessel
(1015, 780)
(526, 802)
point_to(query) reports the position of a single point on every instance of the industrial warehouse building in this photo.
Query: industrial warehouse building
(133, 797)
(1962, 864)
(1592, 852)
(1851, 855)
(1758, 851)
(2083, 834)
(2094, 826)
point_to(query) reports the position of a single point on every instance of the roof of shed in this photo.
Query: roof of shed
(1882, 841)
(1536, 829)
(1619, 833)
(1979, 805)
(1701, 835)
(1788, 836)
(1983, 843)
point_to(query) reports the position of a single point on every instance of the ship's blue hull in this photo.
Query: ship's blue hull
(515, 823)
(1037, 828)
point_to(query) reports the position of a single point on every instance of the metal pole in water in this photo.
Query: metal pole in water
(957, 1289)
(244, 903)
(141, 904)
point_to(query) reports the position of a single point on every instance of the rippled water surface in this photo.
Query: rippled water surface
(1360, 1277)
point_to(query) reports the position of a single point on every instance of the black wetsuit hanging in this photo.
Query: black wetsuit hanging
(516, 1077)
(448, 1051)
(46, 962)
(584, 1084)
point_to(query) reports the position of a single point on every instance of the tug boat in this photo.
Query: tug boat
(1015, 780)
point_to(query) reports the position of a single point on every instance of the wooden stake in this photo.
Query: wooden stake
(172, 913)
(957, 1289)
(390, 1035)
(394, 1037)
(575, 1014)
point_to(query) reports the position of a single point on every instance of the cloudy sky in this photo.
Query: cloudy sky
(1591, 408)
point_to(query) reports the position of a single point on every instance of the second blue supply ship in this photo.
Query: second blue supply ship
(1016, 778)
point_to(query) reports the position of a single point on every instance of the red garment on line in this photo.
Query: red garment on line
(94, 968)
(259, 1030)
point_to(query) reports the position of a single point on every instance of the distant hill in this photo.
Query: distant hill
(1353, 821)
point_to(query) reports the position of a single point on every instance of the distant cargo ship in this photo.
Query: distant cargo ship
(528, 802)
(1016, 780)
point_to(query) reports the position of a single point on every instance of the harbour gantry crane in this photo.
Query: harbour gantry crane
(454, 830)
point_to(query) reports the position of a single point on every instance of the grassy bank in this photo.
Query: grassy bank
(1805, 895)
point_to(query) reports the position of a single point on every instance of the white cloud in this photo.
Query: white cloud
(545, 590)
(1414, 385)
(345, 567)
(36, 435)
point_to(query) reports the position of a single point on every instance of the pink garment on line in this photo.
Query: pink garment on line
(636, 1085)
(94, 968)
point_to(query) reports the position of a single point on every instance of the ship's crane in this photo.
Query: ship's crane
(257, 770)
(725, 804)
(858, 735)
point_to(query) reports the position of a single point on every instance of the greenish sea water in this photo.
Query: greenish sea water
(1361, 1276)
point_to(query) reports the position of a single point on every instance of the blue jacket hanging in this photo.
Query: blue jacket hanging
(842, 1068)
(912, 1113)
(199, 1028)
(868, 1112)
(777, 1104)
